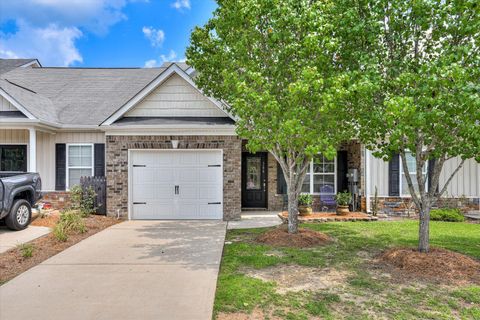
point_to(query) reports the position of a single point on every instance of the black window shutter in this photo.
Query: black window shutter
(99, 160)
(342, 170)
(394, 176)
(60, 166)
(431, 164)
(281, 183)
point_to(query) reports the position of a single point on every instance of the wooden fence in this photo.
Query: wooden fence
(99, 185)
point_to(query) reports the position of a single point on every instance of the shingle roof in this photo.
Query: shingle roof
(10, 64)
(75, 96)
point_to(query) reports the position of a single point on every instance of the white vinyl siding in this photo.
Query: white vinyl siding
(46, 151)
(175, 98)
(465, 183)
(79, 163)
(6, 106)
(13, 136)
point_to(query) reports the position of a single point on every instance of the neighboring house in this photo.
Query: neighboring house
(167, 150)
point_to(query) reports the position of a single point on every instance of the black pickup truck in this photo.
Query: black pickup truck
(18, 193)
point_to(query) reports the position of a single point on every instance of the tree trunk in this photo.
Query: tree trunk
(424, 231)
(292, 210)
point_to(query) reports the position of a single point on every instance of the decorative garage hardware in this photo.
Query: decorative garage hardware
(139, 203)
(177, 189)
(139, 165)
(214, 203)
(214, 165)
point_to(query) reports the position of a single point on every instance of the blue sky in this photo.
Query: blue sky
(100, 33)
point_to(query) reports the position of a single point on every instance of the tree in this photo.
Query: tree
(420, 64)
(273, 63)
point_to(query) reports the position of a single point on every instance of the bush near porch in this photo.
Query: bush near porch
(348, 280)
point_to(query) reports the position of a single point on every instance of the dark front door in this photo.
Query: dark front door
(254, 180)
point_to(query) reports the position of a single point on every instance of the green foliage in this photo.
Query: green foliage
(343, 198)
(59, 232)
(452, 215)
(26, 249)
(70, 222)
(273, 63)
(305, 199)
(82, 200)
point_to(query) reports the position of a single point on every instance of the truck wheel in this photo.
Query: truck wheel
(19, 216)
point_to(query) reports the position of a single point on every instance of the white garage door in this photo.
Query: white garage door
(176, 184)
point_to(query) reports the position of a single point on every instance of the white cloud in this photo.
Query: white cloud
(150, 63)
(181, 4)
(48, 29)
(170, 57)
(52, 45)
(156, 36)
(93, 15)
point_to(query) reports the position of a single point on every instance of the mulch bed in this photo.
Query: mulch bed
(439, 264)
(12, 263)
(49, 220)
(330, 216)
(305, 238)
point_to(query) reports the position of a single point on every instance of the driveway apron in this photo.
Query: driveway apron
(133, 270)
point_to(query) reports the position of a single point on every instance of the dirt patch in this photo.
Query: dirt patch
(12, 263)
(304, 238)
(330, 216)
(49, 219)
(256, 314)
(439, 264)
(293, 278)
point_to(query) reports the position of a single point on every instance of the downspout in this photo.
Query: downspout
(367, 187)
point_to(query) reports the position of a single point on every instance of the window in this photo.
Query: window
(254, 171)
(79, 163)
(412, 169)
(13, 158)
(320, 178)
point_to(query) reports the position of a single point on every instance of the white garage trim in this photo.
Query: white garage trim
(219, 152)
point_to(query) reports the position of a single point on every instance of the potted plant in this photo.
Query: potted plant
(343, 200)
(305, 204)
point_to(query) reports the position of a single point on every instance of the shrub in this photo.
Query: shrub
(305, 199)
(26, 249)
(70, 222)
(343, 198)
(82, 200)
(59, 233)
(446, 214)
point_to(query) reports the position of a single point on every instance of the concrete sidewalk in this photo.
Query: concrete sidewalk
(133, 270)
(256, 219)
(10, 239)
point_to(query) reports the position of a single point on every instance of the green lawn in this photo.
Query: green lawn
(366, 293)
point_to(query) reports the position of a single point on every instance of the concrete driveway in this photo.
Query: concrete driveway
(133, 270)
(10, 239)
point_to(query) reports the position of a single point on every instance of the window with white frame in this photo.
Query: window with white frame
(412, 169)
(79, 163)
(321, 176)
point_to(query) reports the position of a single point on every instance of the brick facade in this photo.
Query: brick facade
(404, 206)
(59, 199)
(117, 167)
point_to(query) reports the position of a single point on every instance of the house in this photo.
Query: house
(167, 150)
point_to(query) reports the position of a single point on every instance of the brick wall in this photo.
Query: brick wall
(117, 167)
(58, 199)
(397, 206)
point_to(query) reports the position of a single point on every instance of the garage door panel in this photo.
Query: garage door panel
(145, 175)
(198, 175)
(153, 211)
(187, 175)
(153, 192)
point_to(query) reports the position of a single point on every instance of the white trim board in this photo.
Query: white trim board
(172, 69)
